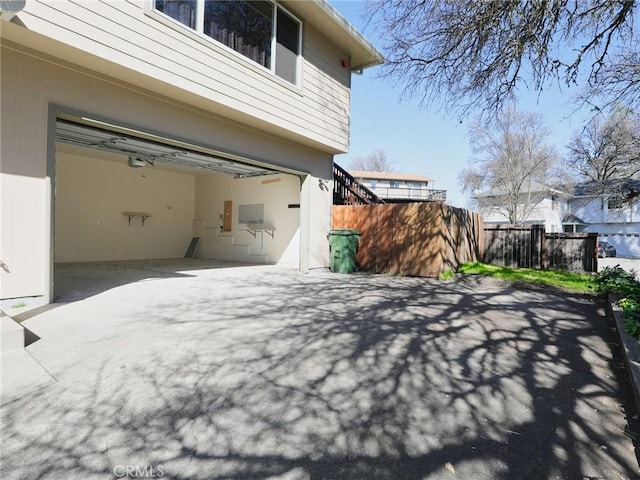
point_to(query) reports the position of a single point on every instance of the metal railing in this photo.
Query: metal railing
(410, 193)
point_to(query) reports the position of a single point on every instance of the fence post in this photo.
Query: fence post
(543, 249)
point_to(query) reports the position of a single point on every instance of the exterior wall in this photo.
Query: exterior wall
(596, 210)
(551, 215)
(34, 90)
(543, 214)
(589, 209)
(130, 41)
(627, 242)
(405, 190)
(620, 227)
(384, 189)
(92, 193)
(274, 192)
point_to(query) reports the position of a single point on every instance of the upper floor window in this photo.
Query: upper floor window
(395, 184)
(373, 184)
(260, 30)
(554, 202)
(615, 203)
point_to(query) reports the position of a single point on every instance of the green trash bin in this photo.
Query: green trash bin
(343, 245)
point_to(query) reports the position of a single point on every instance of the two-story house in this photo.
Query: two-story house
(588, 208)
(399, 187)
(131, 126)
(614, 213)
(541, 204)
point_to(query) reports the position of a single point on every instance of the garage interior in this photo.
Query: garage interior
(125, 195)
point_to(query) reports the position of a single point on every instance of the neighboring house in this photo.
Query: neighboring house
(400, 187)
(615, 220)
(541, 205)
(586, 210)
(129, 127)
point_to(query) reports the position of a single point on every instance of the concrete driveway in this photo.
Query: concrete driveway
(628, 264)
(259, 372)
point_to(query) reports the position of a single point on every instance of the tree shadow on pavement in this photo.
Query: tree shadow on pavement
(327, 376)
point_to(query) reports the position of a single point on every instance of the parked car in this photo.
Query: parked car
(606, 250)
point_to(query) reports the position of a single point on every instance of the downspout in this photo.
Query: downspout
(9, 9)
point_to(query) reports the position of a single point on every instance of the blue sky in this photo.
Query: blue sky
(431, 142)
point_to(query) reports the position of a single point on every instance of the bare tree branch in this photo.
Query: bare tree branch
(606, 153)
(513, 161)
(376, 161)
(476, 53)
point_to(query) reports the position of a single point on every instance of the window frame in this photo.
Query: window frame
(198, 31)
(615, 203)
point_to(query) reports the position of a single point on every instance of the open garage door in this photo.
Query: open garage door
(121, 196)
(141, 150)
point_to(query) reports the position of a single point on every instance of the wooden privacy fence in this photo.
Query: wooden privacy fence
(514, 246)
(416, 239)
(576, 252)
(529, 246)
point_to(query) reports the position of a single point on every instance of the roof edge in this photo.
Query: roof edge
(378, 57)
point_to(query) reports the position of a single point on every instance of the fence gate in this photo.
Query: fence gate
(514, 246)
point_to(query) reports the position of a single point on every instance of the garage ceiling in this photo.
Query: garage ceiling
(151, 152)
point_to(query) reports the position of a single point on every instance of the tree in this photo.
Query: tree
(606, 154)
(512, 163)
(476, 53)
(376, 161)
(608, 149)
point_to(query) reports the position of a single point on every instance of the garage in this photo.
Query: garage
(123, 144)
(127, 194)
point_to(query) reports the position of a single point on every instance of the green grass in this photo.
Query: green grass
(571, 281)
(447, 274)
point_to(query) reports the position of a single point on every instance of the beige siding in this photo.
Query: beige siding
(122, 33)
(29, 89)
(275, 193)
(91, 195)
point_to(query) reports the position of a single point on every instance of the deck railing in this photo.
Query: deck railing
(348, 191)
(408, 193)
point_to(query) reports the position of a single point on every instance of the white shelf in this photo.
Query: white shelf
(142, 215)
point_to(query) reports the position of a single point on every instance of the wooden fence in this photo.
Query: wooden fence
(415, 239)
(514, 246)
(530, 246)
(576, 252)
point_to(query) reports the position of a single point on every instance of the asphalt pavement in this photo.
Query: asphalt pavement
(263, 373)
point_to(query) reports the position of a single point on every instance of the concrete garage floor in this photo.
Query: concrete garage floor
(260, 372)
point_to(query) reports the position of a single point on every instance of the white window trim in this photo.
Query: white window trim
(221, 48)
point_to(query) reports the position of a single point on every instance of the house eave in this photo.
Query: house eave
(324, 17)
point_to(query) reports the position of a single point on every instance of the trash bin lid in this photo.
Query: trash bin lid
(344, 231)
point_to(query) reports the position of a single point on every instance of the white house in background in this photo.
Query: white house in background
(130, 127)
(616, 221)
(548, 206)
(586, 210)
(401, 187)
